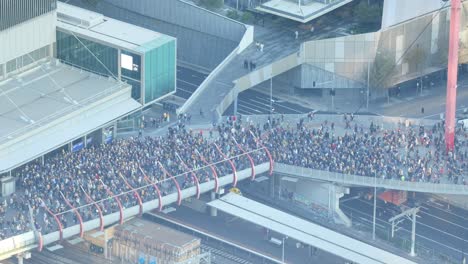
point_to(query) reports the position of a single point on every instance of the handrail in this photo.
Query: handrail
(98, 208)
(134, 191)
(213, 170)
(179, 192)
(78, 215)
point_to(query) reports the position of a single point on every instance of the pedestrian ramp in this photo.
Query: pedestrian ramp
(305, 232)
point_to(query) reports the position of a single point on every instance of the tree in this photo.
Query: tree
(381, 71)
(380, 76)
(212, 4)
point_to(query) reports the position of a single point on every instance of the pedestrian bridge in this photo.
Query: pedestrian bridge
(33, 239)
(357, 180)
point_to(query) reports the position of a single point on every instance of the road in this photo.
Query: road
(250, 102)
(188, 81)
(438, 231)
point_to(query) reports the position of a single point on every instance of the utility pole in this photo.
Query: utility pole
(368, 83)
(271, 95)
(452, 75)
(413, 212)
(375, 206)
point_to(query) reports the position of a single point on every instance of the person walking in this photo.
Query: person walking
(296, 34)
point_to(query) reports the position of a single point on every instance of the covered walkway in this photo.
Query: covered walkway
(304, 231)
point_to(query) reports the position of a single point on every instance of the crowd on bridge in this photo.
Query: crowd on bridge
(99, 173)
(109, 173)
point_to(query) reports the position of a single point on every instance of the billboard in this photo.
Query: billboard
(398, 11)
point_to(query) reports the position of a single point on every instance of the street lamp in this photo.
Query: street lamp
(282, 252)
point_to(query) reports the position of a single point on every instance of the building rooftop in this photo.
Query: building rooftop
(300, 12)
(157, 233)
(48, 99)
(107, 30)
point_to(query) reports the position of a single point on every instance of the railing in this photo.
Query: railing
(27, 241)
(349, 179)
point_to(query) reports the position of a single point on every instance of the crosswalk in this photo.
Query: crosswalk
(222, 257)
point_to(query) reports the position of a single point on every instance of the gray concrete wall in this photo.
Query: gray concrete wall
(204, 38)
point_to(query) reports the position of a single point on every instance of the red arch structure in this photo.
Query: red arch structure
(60, 226)
(252, 164)
(194, 176)
(233, 167)
(213, 170)
(116, 198)
(155, 186)
(259, 142)
(78, 215)
(137, 195)
(98, 208)
(179, 193)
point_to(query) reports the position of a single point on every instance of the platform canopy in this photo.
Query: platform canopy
(53, 104)
(300, 10)
(305, 232)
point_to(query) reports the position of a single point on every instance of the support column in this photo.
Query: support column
(413, 235)
(336, 193)
(20, 259)
(42, 160)
(213, 211)
(235, 105)
(452, 75)
(272, 187)
(105, 245)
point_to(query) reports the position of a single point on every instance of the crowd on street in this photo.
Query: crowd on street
(109, 173)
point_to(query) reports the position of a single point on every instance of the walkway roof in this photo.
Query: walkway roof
(53, 103)
(301, 13)
(304, 231)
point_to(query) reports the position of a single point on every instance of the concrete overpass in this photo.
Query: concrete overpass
(357, 180)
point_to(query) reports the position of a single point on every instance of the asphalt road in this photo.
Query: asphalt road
(438, 230)
(250, 102)
(188, 81)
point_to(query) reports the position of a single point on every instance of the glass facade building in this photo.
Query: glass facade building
(160, 68)
(150, 68)
(86, 54)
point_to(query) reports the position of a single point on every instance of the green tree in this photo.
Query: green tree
(212, 4)
(247, 17)
(381, 71)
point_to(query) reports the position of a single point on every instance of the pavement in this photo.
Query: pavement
(279, 41)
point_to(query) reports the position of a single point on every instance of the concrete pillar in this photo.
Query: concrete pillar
(213, 211)
(119, 64)
(272, 186)
(105, 245)
(337, 193)
(42, 160)
(20, 259)
(85, 143)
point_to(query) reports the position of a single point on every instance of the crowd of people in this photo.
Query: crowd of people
(110, 172)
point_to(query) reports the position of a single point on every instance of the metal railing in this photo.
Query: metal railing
(349, 179)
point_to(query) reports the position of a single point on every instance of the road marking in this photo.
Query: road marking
(189, 83)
